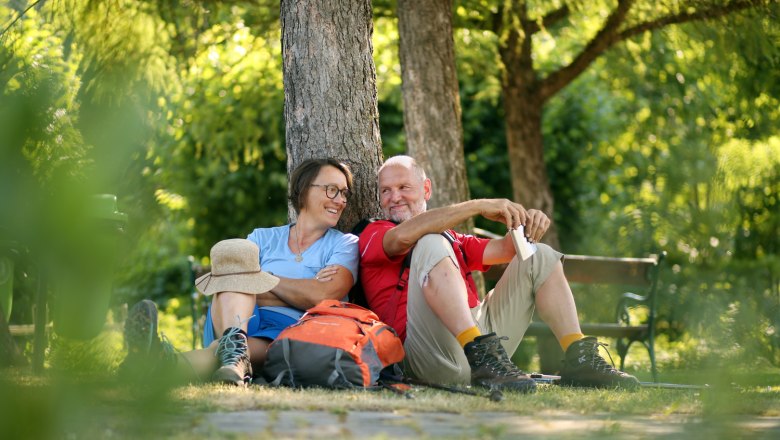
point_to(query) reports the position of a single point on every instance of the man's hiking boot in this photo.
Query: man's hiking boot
(491, 367)
(584, 367)
(147, 353)
(233, 353)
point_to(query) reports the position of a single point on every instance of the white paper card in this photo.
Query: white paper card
(523, 247)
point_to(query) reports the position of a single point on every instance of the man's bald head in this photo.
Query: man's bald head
(407, 162)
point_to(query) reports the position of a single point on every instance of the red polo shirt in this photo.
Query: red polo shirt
(379, 273)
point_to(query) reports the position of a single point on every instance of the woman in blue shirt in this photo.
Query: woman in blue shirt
(311, 259)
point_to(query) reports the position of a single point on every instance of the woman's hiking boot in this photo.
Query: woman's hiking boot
(491, 367)
(147, 352)
(233, 353)
(584, 367)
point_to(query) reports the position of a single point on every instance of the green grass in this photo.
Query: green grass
(47, 407)
(78, 395)
(753, 400)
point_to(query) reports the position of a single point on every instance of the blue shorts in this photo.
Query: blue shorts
(266, 322)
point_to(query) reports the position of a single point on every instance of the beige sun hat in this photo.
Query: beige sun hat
(235, 267)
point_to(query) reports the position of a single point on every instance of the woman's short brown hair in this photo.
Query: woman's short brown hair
(304, 175)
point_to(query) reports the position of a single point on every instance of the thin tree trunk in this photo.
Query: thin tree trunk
(432, 112)
(330, 97)
(523, 109)
(434, 134)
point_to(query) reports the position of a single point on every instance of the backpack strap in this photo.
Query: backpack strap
(403, 276)
(460, 251)
(356, 294)
(287, 371)
(337, 378)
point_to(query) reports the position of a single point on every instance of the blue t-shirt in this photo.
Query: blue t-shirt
(335, 247)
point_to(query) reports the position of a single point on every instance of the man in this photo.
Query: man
(450, 336)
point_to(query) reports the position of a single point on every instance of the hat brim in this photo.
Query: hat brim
(250, 283)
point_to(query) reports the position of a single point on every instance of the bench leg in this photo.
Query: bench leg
(622, 345)
(651, 351)
(9, 352)
(550, 354)
(40, 318)
(648, 344)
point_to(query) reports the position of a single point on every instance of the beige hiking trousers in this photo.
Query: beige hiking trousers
(432, 352)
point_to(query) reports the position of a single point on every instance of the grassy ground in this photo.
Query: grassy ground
(78, 397)
(62, 405)
(731, 398)
(548, 398)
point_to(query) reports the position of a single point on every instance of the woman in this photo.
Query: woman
(312, 261)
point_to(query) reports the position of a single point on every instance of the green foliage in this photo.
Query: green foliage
(388, 82)
(667, 142)
(219, 155)
(693, 171)
(484, 141)
(40, 109)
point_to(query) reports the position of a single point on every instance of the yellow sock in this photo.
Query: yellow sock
(468, 335)
(569, 339)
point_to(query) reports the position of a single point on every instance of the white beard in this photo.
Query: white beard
(400, 217)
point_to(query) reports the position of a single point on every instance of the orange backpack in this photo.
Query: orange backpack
(335, 344)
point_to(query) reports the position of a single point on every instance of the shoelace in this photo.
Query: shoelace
(232, 347)
(596, 361)
(498, 361)
(168, 351)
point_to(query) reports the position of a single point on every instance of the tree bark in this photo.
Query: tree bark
(523, 112)
(432, 112)
(434, 133)
(330, 97)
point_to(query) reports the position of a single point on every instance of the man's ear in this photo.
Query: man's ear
(427, 189)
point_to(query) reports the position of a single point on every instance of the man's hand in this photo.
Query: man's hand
(513, 215)
(505, 211)
(501, 250)
(536, 224)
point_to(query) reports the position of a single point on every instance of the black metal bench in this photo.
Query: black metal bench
(635, 273)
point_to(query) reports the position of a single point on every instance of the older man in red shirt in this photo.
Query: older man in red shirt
(450, 336)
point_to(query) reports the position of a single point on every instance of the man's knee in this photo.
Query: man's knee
(537, 268)
(432, 241)
(431, 251)
(544, 256)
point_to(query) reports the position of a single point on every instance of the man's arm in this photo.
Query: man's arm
(400, 239)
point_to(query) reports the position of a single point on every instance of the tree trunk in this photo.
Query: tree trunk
(523, 106)
(330, 97)
(432, 113)
(434, 134)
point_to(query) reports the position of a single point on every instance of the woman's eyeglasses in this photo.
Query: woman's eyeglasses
(332, 191)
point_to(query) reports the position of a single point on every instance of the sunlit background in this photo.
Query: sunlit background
(669, 142)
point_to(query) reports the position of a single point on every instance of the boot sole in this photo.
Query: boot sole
(228, 376)
(519, 387)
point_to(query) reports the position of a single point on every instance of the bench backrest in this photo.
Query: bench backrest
(589, 269)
